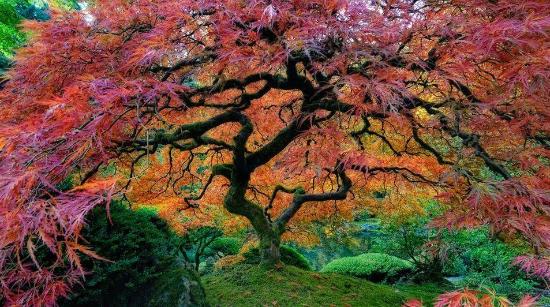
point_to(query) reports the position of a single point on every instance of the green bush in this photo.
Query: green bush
(372, 266)
(486, 262)
(8, 12)
(145, 268)
(289, 256)
(473, 257)
(225, 245)
(10, 36)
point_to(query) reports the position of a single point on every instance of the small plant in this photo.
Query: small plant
(372, 266)
(194, 244)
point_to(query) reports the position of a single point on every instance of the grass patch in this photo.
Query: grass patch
(255, 285)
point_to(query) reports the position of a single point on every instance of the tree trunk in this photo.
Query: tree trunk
(270, 251)
(269, 234)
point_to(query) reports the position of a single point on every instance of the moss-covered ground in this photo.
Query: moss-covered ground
(255, 285)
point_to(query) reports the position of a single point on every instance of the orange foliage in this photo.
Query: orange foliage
(279, 112)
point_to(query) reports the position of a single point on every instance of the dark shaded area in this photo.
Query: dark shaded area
(146, 269)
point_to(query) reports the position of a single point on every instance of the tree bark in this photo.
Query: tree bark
(270, 248)
(268, 233)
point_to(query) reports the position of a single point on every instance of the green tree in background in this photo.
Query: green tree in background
(12, 12)
(10, 36)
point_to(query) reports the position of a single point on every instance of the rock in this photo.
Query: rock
(454, 279)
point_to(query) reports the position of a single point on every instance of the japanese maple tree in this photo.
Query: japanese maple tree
(284, 111)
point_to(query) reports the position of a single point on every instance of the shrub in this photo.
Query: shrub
(195, 243)
(205, 245)
(473, 257)
(486, 262)
(144, 270)
(225, 245)
(289, 256)
(372, 266)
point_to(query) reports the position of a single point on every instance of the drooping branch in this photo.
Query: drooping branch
(356, 135)
(407, 173)
(473, 140)
(197, 60)
(278, 143)
(424, 144)
(193, 132)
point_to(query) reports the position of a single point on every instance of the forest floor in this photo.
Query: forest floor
(254, 285)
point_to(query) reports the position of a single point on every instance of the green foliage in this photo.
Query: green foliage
(8, 15)
(337, 238)
(5, 63)
(289, 256)
(486, 262)
(195, 243)
(407, 239)
(66, 4)
(213, 251)
(372, 266)
(225, 245)
(66, 184)
(145, 268)
(10, 36)
(473, 257)
(32, 9)
(256, 285)
(11, 14)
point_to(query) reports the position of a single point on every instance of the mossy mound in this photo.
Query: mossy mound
(372, 266)
(289, 256)
(257, 285)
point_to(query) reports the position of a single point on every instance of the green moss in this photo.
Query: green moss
(289, 256)
(255, 285)
(372, 266)
(180, 287)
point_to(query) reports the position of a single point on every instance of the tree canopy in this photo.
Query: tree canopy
(282, 111)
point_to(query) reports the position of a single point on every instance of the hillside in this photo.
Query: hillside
(253, 285)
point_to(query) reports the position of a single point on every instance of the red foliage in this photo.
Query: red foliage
(289, 101)
(473, 298)
(510, 206)
(536, 266)
(413, 303)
